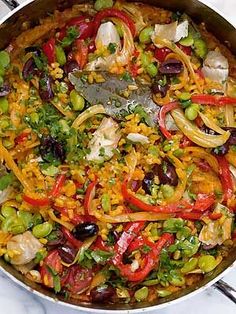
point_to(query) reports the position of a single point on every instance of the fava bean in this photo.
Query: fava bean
(178, 152)
(152, 70)
(26, 219)
(207, 263)
(77, 100)
(167, 191)
(141, 294)
(145, 59)
(191, 112)
(4, 59)
(37, 219)
(42, 230)
(8, 211)
(17, 229)
(190, 265)
(177, 280)
(3, 105)
(184, 96)
(145, 35)
(61, 56)
(163, 293)
(151, 282)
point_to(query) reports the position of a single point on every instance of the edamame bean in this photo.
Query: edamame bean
(8, 211)
(42, 230)
(103, 4)
(207, 263)
(163, 293)
(77, 100)
(145, 35)
(190, 265)
(141, 294)
(152, 70)
(4, 59)
(191, 112)
(60, 55)
(3, 105)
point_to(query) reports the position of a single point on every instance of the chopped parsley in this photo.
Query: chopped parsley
(112, 47)
(71, 34)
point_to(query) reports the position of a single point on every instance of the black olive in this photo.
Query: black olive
(166, 173)
(221, 150)
(102, 294)
(148, 182)
(85, 230)
(158, 88)
(71, 67)
(45, 87)
(56, 238)
(29, 69)
(67, 253)
(4, 90)
(51, 149)
(36, 50)
(171, 66)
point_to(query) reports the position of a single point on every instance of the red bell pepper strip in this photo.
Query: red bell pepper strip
(21, 138)
(36, 202)
(49, 49)
(80, 53)
(190, 215)
(150, 260)
(89, 196)
(114, 13)
(203, 202)
(131, 231)
(60, 180)
(225, 177)
(170, 208)
(138, 243)
(162, 116)
(204, 99)
(70, 238)
(215, 216)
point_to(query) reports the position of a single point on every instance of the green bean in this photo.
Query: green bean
(42, 230)
(106, 202)
(4, 59)
(102, 4)
(163, 293)
(141, 294)
(26, 218)
(60, 55)
(207, 263)
(145, 35)
(151, 282)
(3, 105)
(152, 70)
(189, 265)
(8, 211)
(77, 100)
(191, 112)
(167, 191)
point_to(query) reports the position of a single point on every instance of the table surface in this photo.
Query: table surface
(15, 300)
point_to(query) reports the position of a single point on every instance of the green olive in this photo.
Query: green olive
(141, 294)
(189, 265)
(207, 263)
(42, 230)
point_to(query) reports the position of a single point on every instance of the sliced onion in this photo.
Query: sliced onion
(216, 67)
(195, 134)
(211, 124)
(106, 34)
(138, 138)
(88, 113)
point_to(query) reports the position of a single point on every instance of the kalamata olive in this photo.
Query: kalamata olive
(135, 185)
(50, 148)
(85, 230)
(166, 173)
(158, 88)
(71, 67)
(29, 69)
(36, 50)
(221, 150)
(102, 294)
(45, 87)
(148, 182)
(4, 90)
(67, 253)
(171, 66)
(56, 238)
(232, 138)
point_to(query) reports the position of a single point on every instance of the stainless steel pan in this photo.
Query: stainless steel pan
(29, 13)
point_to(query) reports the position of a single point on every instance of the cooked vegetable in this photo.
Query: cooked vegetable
(216, 67)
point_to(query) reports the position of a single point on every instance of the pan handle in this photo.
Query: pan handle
(12, 4)
(227, 290)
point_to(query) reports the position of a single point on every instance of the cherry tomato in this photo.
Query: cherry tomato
(161, 53)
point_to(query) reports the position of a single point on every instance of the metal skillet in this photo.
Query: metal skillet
(31, 11)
